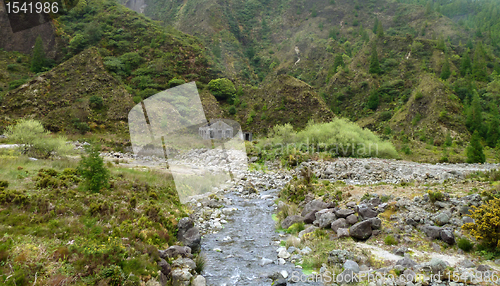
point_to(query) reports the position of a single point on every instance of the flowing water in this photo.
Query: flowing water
(247, 238)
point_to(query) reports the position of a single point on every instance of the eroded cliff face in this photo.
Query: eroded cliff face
(23, 41)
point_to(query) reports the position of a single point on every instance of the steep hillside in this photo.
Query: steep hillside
(282, 100)
(250, 39)
(76, 96)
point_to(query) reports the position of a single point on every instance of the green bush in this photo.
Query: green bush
(232, 110)
(419, 95)
(347, 139)
(35, 140)
(96, 102)
(435, 196)
(91, 168)
(175, 82)
(82, 127)
(465, 244)
(11, 67)
(474, 151)
(390, 240)
(16, 83)
(296, 228)
(222, 88)
(384, 116)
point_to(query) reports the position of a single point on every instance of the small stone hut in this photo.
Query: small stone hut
(216, 130)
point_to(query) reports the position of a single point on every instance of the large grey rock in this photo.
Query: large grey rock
(466, 263)
(366, 212)
(319, 213)
(432, 231)
(442, 219)
(152, 282)
(199, 281)
(342, 232)
(375, 222)
(175, 250)
(339, 256)
(164, 267)
(437, 265)
(181, 277)
(406, 262)
(447, 236)
(343, 213)
(339, 223)
(184, 225)
(184, 263)
(351, 265)
(351, 219)
(289, 220)
(310, 217)
(326, 220)
(191, 238)
(361, 230)
(314, 205)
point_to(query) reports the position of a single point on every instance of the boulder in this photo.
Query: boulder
(437, 265)
(181, 277)
(339, 223)
(447, 236)
(366, 212)
(406, 262)
(343, 213)
(289, 220)
(351, 219)
(442, 219)
(375, 222)
(314, 205)
(184, 225)
(310, 217)
(164, 267)
(191, 238)
(351, 265)
(326, 220)
(319, 213)
(175, 250)
(361, 230)
(199, 281)
(432, 231)
(184, 263)
(339, 256)
(342, 232)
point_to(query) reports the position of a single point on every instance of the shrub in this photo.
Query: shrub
(199, 261)
(35, 140)
(373, 101)
(464, 244)
(16, 83)
(232, 110)
(346, 138)
(435, 196)
(11, 67)
(114, 275)
(222, 88)
(384, 116)
(486, 226)
(82, 127)
(96, 102)
(419, 95)
(474, 151)
(390, 240)
(175, 82)
(91, 168)
(296, 228)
